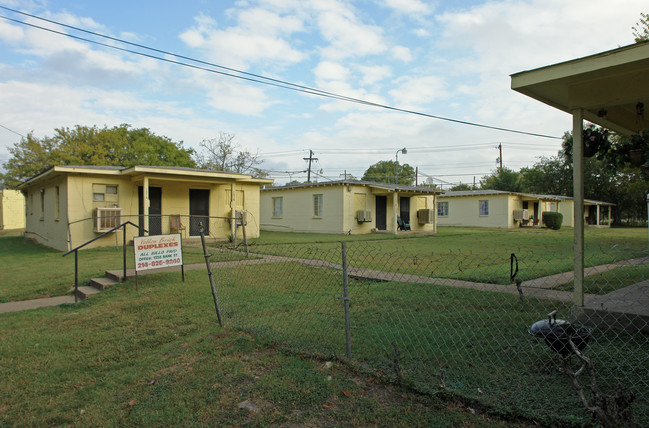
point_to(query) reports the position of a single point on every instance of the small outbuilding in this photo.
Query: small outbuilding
(67, 206)
(348, 207)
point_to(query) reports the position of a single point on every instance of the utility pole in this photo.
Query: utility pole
(310, 159)
(500, 158)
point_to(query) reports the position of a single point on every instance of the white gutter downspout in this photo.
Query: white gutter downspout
(146, 203)
(578, 189)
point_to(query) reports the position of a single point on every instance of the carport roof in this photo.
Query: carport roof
(611, 87)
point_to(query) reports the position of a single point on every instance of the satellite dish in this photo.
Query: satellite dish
(429, 180)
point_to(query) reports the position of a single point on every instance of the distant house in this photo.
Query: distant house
(507, 210)
(12, 210)
(70, 205)
(348, 207)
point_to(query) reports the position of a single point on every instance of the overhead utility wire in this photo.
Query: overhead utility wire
(254, 77)
(11, 130)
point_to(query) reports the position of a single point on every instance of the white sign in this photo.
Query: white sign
(154, 252)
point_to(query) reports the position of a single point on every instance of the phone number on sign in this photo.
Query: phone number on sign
(158, 263)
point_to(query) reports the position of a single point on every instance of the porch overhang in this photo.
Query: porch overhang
(610, 89)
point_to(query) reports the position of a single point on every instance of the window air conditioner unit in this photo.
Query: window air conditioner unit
(520, 215)
(426, 216)
(364, 216)
(107, 218)
(242, 217)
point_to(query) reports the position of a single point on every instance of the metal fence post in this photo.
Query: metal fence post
(348, 336)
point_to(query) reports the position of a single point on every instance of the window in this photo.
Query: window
(42, 204)
(105, 193)
(484, 208)
(278, 209)
(317, 205)
(553, 206)
(442, 209)
(57, 202)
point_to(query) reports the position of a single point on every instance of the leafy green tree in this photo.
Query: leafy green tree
(641, 30)
(550, 176)
(502, 179)
(83, 145)
(461, 186)
(384, 172)
(608, 177)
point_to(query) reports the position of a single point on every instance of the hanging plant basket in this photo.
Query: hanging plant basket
(594, 139)
(636, 157)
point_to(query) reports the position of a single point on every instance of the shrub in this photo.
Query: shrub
(552, 219)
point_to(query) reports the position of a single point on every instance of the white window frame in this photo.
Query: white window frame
(442, 209)
(483, 207)
(278, 207)
(318, 203)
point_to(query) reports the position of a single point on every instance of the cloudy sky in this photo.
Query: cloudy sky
(450, 59)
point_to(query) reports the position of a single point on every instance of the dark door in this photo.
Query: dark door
(155, 209)
(536, 211)
(404, 209)
(199, 211)
(381, 210)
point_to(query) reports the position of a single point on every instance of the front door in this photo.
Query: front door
(155, 210)
(381, 212)
(199, 211)
(404, 209)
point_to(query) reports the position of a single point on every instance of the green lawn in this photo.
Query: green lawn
(156, 357)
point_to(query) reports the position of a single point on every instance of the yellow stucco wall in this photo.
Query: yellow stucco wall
(77, 205)
(298, 210)
(12, 210)
(340, 205)
(465, 211)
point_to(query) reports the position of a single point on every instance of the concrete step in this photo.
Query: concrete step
(102, 283)
(86, 291)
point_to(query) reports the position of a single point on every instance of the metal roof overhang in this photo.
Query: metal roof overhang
(612, 87)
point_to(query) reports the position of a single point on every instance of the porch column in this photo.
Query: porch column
(233, 206)
(435, 213)
(597, 214)
(146, 202)
(610, 219)
(578, 189)
(395, 206)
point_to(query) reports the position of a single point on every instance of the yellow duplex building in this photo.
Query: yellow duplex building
(507, 210)
(12, 210)
(67, 206)
(348, 207)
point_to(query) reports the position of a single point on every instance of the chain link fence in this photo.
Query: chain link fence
(450, 322)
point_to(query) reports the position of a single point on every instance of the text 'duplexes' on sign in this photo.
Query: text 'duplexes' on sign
(154, 252)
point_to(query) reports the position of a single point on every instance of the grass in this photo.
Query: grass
(435, 338)
(157, 357)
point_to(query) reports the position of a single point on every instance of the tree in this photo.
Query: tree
(83, 145)
(384, 172)
(550, 176)
(641, 30)
(461, 186)
(221, 154)
(502, 179)
(608, 177)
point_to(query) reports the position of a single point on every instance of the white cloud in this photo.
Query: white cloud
(329, 70)
(401, 53)
(347, 37)
(259, 36)
(410, 7)
(417, 92)
(374, 74)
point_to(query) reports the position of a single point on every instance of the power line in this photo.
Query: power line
(11, 130)
(245, 75)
